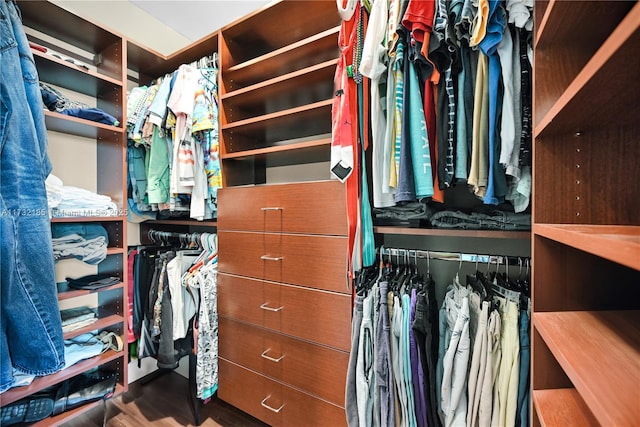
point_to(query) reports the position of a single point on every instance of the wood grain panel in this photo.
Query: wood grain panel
(317, 370)
(317, 316)
(564, 45)
(582, 179)
(248, 390)
(313, 261)
(309, 208)
(568, 279)
(600, 353)
(562, 407)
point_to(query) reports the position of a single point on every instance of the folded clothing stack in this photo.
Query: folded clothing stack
(86, 242)
(93, 281)
(77, 317)
(80, 202)
(493, 220)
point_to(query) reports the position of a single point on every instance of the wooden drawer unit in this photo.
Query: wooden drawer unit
(318, 316)
(306, 208)
(284, 302)
(314, 261)
(273, 402)
(319, 370)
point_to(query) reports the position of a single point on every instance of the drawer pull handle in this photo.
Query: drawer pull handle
(265, 307)
(272, 208)
(264, 405)
(271, 258)
(273, 359)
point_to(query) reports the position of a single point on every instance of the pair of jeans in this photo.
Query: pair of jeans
(522, 412)
(382, 362)
(351, 401)
(364, 364)
(455, 311)
(425, 328)
(505, 397)
(478, 360)
(28, 291)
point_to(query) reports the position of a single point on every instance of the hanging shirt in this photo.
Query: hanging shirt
(417, 133)
(372, 65)
(480, 146)
(181, 103)
(496, 183)
(479, 27)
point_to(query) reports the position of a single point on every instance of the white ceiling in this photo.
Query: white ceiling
(196, 19)
(163, 25)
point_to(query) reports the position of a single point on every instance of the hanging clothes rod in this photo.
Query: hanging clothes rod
(203, 240)
(456, 256)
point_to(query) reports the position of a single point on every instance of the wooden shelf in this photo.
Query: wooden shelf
(65, 416)
(620, 244)
(54, 70)
(562, 407)
(89, 219)
(280, 61)
(256, 97)
(493, 234)
(317, 109)
(116, 251)
(563, 23)
(40, 383)
(59, 122)
(600, 353)
(65, 292)
(295, 153)
(604, 81)
(59, 24)
(100, 323)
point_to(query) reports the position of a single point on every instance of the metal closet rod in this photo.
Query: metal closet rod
(456, 256)
(198, 238)
(170, 234)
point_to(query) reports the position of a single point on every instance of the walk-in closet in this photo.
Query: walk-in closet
(351, 213)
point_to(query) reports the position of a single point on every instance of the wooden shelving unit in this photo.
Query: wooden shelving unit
(277, 88)
(104, 53)
(586, 230)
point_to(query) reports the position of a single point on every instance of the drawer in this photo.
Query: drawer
(317, 316)
(307, 208)
(312, 368)
(314, 261)
(272, 402)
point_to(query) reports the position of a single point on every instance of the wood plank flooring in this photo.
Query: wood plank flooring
(163, 402)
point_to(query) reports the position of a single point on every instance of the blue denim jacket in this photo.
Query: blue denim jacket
(31, 331)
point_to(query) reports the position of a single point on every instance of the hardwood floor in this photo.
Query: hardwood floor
(163, 402)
